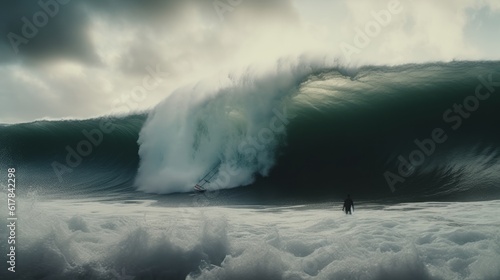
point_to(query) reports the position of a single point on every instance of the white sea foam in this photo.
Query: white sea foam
(90, 240)
(196, 127)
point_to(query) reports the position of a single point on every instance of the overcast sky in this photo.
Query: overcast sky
(86, 58)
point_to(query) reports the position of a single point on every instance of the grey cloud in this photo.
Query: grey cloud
(191, 34)
(170, 19)
(44, 36)
(66, 32)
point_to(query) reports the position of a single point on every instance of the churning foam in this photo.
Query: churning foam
(424, 241)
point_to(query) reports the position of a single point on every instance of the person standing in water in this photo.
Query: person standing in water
(347, 205)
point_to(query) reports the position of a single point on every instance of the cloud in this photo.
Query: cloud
(89, 54)
(38, 32)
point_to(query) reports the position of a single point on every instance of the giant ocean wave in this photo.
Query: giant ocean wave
(299, 130)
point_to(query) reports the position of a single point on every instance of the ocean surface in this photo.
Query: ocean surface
(416, 146)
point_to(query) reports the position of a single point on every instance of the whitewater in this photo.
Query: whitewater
(145, 239)
(289, 142)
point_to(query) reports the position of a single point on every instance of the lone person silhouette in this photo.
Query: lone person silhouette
(347, 205)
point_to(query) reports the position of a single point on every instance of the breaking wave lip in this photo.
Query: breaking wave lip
(196, 127)
(342, 129)
(354, 124)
